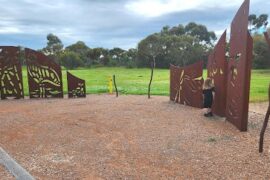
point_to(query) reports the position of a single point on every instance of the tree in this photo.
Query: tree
(177, 30)
(117, 56)
(152, 47)
(251, 21)
(132, 53)
(98, 56)
(255, 23)
(165, 30)
(54, 47)
(148, 48)
(201, 32)
(116, 52)
(261, 52)
(81, 49)
(70, 59)
(184, 45)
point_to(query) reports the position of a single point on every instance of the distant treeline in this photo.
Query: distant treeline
(180, 45)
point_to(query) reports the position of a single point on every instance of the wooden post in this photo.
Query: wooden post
(114, 81)
(153, 64)
(264, 125)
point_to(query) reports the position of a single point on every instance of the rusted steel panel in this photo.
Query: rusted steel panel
(267, 38)
(175, 81)
(11, 83)
(76, 86)
(217, 70)
(186, 84)
(239, 69)
(44, 76)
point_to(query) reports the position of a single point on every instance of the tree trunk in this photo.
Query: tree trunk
(264, 124)
(115, 85)
(153, 65)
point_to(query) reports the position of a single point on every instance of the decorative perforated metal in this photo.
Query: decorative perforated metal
(44, 76)
(239, 69)
(217, 70)
(76, 86)
(11, 83)
(186, 84)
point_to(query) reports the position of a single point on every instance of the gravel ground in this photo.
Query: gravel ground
(130, 137)
(4, 174)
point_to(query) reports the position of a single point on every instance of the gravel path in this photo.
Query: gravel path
(130, 137)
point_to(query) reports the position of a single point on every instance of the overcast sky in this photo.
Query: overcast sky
(109, 23)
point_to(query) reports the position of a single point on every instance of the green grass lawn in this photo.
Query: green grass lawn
(135, 81)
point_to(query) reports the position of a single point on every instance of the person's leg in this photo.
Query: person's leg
(206, 111)
(210, 112)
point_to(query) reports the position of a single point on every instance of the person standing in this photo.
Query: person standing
(208, 96)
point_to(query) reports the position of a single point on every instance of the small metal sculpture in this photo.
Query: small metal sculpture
(217, 70)
(11, 83)
(44, 76)
(186, 84)
(76, 86)
(239, 69)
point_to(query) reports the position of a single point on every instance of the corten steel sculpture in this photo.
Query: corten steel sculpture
(267, 38)
(264, 124)
(217, 70)
(186, 84)
(11, 83)
(239, 69)
(76, 86)
(44, 76)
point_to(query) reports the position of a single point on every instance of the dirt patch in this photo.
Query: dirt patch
(4, 174)
(129, 137)
(260, 108)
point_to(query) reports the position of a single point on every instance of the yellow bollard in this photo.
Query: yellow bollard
(110, 85)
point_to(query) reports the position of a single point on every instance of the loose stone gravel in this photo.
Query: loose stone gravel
(130, 137)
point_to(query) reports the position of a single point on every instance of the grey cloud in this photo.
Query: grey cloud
(100, 23)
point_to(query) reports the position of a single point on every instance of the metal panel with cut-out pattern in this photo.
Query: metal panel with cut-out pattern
(76, 86)
(44, 76)
(217, 70)
(239, 69)
(11, 83)
(186, 84)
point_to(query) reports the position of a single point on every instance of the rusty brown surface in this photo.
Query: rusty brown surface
(267, 38)
(76, 86)
(239, 69)
(217, 70)
(44, 76)
(11, 83)
(186, 84)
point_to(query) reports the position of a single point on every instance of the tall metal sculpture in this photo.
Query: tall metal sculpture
(186, 84)
(239, 69)
(266, 119)
(11, 83)
(217, 70)
(267, 38)
(44, 76)
(265, 123)
(76, 86)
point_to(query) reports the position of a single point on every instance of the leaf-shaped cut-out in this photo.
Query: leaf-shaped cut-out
(221, 71)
